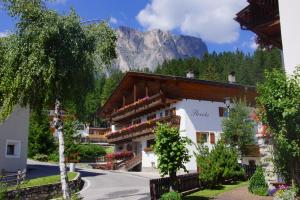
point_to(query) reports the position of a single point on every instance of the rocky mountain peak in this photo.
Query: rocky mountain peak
(140, 50)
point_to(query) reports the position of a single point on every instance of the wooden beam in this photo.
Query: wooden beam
(124, 100)
(134, 92)
(146, 90)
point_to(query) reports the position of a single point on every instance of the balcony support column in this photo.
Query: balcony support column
(134, 93)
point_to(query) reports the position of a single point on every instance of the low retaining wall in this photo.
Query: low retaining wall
(43, 192)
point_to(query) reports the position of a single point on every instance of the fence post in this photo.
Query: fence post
(19, 176)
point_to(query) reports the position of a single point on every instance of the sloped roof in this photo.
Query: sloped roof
(174, 87)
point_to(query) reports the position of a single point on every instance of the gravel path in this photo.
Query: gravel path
(241, 194)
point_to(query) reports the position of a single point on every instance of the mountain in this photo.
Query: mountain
(140, 50)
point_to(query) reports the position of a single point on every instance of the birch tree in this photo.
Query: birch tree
(50, 60)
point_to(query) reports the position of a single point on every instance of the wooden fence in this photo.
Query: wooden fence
(187, 182)
(12, 178)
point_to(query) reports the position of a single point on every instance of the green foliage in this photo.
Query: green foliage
(238, 127)
(249, 68)
(285, 194)
(3, 190)
(50, 56)
(71, 137)
(89, 152)
(171, 196)
(93, 99)
(218, 165)
(41, 157)
(258, 184)
(170, 149)
(279, 101)
(40, 138)
(53, 157)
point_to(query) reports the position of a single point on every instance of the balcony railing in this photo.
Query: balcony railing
(94, 140)
(138, 107)
(141, 129)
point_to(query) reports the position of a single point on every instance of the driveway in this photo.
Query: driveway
(100, 184)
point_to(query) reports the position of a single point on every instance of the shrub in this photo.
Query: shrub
(90, 151)
(53, 157)
(3, 190)
(41, 157)
(218, 166)
(171, 196)
(257, 183)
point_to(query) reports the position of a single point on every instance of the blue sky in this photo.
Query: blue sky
(209, 19)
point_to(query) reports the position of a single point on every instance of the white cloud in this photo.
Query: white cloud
(4, 34)
(58, 1)
(113, 20)
(253, 44)
(209, 19)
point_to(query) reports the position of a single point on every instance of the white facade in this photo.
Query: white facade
(290, 31)
(196, 117)
(199, 116)
(14, 140)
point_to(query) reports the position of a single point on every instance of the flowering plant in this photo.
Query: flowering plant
(285, 192)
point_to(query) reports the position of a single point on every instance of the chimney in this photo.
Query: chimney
(190, 74)
(231, 77)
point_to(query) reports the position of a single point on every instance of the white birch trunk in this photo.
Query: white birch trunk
(62, 165)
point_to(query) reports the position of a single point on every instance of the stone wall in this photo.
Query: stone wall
(43, 192)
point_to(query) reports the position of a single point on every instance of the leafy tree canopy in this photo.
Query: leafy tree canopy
(170, 149)
(50, 56)
(279, 101)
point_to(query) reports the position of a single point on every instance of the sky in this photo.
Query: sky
(211, 20)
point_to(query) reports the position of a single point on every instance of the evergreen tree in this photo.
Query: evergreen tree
(41, 140)
(110, 84)
(210, 74)
(218, 165)
(238, 128)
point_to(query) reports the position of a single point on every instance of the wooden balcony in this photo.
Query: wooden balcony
(140, 107)
(141, 129)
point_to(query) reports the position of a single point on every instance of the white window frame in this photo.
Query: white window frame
(17, 150)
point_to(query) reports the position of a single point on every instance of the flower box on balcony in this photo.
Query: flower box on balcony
(148, 149)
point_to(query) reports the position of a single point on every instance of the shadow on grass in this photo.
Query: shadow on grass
(196, 198)
(209, 193)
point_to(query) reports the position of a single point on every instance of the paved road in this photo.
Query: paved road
(99, 184)
(111, 185)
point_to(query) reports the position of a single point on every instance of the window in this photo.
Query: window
(212, 138)
(150, 143)
(10, 150)
(252, 163)
(136, 121)
(13, 149)
(223, 112)
(201, 137)
(151, 116)
(171, 111)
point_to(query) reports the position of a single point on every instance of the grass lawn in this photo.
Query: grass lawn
(211, 193)
(44, 180)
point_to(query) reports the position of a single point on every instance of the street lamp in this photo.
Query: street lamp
(227, 103)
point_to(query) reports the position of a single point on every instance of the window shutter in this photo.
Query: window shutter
(212, 138)
(221, 111)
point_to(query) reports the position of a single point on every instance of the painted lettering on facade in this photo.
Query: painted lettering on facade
(197, 113)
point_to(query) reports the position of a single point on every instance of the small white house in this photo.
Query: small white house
(196, 107)
(14, 140)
